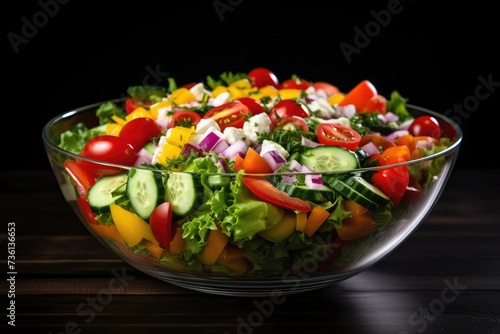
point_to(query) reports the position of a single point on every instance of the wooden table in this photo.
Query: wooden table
(444, 279)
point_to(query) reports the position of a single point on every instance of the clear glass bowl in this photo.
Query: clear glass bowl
(328, 260)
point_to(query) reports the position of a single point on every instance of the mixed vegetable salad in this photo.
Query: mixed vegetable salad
(246, 175)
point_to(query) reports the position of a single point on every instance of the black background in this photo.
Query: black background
(82, 52)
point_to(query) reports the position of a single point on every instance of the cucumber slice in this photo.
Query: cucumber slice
(329, 158)
(324, 194)
(368, 190)
(144, 190)
(217, 181)
(346, 190)
(184, 193)
(102, 193)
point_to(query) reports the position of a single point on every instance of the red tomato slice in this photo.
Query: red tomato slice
(295, 83)
(161, 224)
(360, 95)
(338, 135)
(254, 107)
(425, 126)
(328, 88)
(265, 191)
(261, 77)
(138, 131)
(287, 108)
(230, 114)
(377, 103)
(185, 118)
(110, 149)
(133, 103)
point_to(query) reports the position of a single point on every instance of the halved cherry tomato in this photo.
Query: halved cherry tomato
(265, 191)
(328, 88)
(230, 114)
(338, 135)
(254, 107)
(425, 126)
(110, 149)
(161, 224)
(138, 131)
(295, 83)
(287, 122)
(286, 108)
(133, 103)
(261, 77)
(185, 118)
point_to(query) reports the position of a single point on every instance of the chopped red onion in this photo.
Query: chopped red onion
(190, 147)
(370, 148)
(209, 141)
(143, 157)
(274, 158)
(220, 146)
(396, 134)
(391, 117)
(294, 166)
(382, 118)
(238, 147)
(308, 142)
(314, 181)
(406, 124)
(289, 179)
(348, 111)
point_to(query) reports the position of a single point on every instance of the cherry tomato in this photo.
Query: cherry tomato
(261, 77)
(328, 88)
(288, 108)
(254, 107)
(287, 122)
(185, 118)
(133, 103)
(295, 83)
(425, 126)
(230, 114)
(138, 131)
(110, 149)
(161, 224)
(338, 135)
(265, 191)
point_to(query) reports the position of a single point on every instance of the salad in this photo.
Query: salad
(246, 175)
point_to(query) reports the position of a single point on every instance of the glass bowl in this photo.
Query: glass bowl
(287, 259)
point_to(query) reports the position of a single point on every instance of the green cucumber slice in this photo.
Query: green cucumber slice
(368, 190)
(329, 158)
(103, 193)
(323, 194)
(347, 191)
(144, 190)
(183, 192)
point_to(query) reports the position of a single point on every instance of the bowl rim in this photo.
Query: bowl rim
(448, 150)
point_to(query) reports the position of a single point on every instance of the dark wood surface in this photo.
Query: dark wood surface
(444, 279)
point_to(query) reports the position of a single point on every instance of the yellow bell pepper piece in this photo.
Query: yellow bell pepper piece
(119, 120)
(289, 93)
(181, 96)
(113, 129)
(131, 227)
(241, 84)
(179, 135)
(267, 91)
(168, 152)
(137, 113)
(154, 108)
(335, 99)
(219, 90)
(301, 221)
